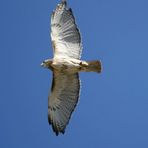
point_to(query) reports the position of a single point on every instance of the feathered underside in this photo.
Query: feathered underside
(65, 35)
(62, 99)
(65, 65)
(65, 88)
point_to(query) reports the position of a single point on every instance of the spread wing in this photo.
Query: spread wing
(62, 99)
(65, 35)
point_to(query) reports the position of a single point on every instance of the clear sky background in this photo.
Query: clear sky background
(113, 107)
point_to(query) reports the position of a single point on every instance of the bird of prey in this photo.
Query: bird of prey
(65, 66)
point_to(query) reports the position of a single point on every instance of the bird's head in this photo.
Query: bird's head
(47, 63)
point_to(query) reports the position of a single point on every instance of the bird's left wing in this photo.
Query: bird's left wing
(62, 99)
(65, 35)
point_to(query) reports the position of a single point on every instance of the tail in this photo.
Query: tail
(93, 66)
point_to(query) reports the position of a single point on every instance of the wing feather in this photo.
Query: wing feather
(65, 35)
(62, 99)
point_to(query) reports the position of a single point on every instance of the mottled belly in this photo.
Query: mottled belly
(65, 65)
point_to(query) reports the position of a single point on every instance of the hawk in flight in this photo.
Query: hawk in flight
(65, 66)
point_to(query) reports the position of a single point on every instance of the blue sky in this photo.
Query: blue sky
(113, 108)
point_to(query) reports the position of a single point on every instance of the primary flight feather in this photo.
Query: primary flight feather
(65, 65)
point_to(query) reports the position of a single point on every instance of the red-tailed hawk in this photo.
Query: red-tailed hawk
(65, 65)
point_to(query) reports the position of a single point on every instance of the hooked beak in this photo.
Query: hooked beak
(42, 64)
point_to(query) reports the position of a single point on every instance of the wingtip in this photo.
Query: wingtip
(57, 132)
(64, 2)
(70, 10)
(55, 128)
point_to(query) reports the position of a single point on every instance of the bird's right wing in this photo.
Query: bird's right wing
(62, 99)
(65, 35)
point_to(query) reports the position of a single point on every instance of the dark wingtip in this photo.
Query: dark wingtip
(70, 10)
(54, 127)
(49, 120)
(57, 133)
(63, 131)
(64, 2)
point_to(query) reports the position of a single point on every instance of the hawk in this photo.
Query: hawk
(65, 66)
